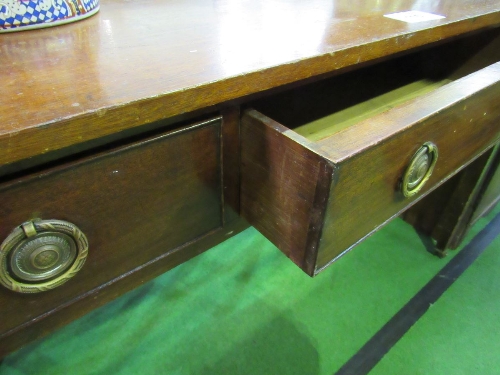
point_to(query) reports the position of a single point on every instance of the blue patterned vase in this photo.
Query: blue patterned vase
(16, 15)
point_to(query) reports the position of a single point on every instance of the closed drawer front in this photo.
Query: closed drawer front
(316, 196)
(135, 205)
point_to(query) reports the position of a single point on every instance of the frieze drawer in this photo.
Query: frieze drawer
(135, 205)
(316, 190)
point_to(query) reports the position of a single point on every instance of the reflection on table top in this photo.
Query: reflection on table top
(139, 61)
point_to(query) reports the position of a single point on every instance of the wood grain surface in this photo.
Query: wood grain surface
(284, 187)
(135, 205)
(367, 160)
(138, 65)
(461, 119)
(138, 62)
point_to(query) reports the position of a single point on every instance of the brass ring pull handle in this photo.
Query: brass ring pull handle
(420, 169)
(40, 255)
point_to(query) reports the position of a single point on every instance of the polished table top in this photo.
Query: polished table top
(136, 62)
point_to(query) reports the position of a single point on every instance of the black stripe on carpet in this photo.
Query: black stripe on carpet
(372, 352)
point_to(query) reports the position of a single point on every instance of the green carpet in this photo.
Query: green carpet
(459, 334)
(243, 308)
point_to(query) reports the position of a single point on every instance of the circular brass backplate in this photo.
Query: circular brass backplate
(420, 169)
(41, 255)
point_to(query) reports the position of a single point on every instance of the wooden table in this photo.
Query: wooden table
(160, 128)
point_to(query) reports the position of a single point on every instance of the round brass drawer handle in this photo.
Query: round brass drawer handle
(40, 255)
(420, 169)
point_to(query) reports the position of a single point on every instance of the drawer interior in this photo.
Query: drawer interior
(321, 109)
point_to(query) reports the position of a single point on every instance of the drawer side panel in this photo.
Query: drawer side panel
(284, 188)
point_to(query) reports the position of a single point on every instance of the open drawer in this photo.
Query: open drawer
(360, 148)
